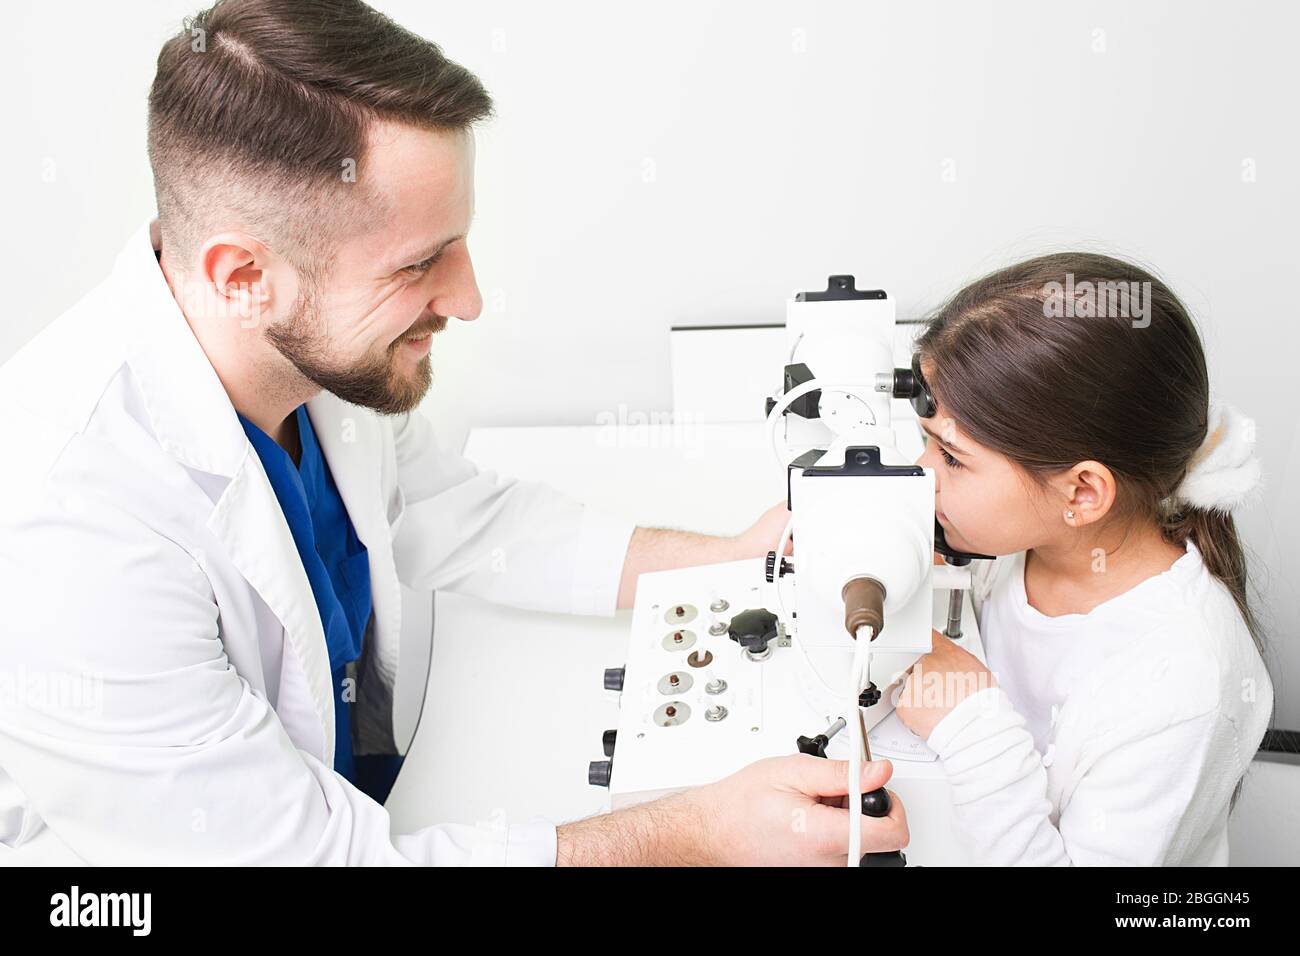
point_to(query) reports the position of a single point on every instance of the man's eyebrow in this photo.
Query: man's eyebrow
(951, 446)
(427, 253)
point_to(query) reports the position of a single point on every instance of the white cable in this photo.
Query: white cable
(785, 615)
(782, 453)
(861, 651)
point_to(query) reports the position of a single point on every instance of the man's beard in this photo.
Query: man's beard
(375, 382)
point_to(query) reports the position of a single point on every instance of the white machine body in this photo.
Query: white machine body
(878, 523)
(768, 704)
(850, 526)
(842, 342)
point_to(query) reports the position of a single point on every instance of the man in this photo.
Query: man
(216, 482)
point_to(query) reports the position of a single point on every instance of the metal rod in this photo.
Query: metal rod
(835, 728)
(953, 630)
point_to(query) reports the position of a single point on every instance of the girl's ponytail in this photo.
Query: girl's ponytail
(1222, 475)
(1215, 535)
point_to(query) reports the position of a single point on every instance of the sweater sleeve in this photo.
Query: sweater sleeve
(1140, 794)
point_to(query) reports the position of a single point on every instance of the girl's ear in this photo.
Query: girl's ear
(1089, 491)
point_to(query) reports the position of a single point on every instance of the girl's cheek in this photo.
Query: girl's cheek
(958, 519)
(950, 500)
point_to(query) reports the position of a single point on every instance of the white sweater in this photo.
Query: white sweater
(1114, 737)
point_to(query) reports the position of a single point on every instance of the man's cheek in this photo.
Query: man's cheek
(381, 323)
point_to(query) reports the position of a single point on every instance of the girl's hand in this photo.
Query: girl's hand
(937, 683)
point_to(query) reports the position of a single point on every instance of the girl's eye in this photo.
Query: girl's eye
(950, 461)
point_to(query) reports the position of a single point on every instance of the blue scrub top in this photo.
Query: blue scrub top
(338, 569)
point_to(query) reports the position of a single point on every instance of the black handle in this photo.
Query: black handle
(877, 804)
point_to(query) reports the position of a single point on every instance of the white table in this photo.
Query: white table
(516, 707)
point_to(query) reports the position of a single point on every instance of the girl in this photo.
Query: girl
(1075, 436)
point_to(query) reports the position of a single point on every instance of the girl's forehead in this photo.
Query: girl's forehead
(941, 423)
(946, 429)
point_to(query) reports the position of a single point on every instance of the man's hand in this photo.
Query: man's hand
(781, 812)
(776, 812)
(762, 536)
(659, 549)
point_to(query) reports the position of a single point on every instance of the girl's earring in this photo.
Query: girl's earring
(1069, 515)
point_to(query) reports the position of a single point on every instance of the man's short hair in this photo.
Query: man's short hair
(260, 110)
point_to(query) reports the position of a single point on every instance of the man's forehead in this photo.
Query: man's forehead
(398, 152)
(423, 180)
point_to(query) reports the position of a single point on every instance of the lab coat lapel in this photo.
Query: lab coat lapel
(251, 526)
(350, 440)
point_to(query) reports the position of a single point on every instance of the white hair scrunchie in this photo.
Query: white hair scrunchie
(1224, 470)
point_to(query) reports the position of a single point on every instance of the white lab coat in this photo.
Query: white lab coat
(165, 692)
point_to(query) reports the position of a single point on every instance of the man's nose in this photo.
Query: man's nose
(457, 295)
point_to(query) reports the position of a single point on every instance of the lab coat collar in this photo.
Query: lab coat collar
(191, 413)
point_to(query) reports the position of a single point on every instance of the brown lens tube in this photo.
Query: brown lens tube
(864, 603)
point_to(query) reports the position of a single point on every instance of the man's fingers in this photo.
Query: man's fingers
(819, 777)
(782, 509)
(830, 826)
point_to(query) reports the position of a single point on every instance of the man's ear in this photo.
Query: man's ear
(1089, 488)
(235, 268)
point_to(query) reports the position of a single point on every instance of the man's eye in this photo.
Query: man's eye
(420, 268)
(949, 460)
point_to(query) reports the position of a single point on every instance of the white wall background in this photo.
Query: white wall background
(680, 162)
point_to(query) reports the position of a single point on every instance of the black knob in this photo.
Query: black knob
(769, 567)
(813, 746)
(894, 858)
(877, 804)
(753, 629)
(905, 385)
(607, 742)
(869, 698)
(599, 772)
(614, 678)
